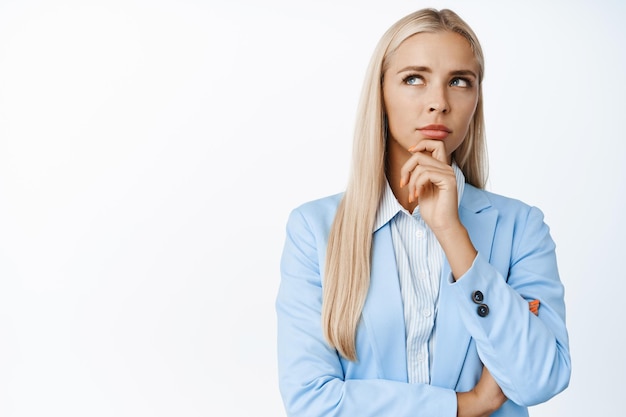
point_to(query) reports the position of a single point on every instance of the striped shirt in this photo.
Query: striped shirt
(419, 259)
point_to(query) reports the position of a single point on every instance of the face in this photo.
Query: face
(430, 90)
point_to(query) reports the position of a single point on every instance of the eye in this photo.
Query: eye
(413, 80)
(460, 82)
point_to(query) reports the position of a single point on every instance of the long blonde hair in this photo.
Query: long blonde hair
(348, 260)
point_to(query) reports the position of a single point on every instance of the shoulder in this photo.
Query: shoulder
(477, 200)
(308, 228)
(320, 207)
(514, 217)
(316, 215)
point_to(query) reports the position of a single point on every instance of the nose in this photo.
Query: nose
(438, 101)
(437, 107)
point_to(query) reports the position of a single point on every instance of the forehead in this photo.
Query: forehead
(442, 50)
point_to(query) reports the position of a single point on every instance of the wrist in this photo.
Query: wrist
(458, 247)
(470, 404)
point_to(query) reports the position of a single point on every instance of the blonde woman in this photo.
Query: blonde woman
(416, 292)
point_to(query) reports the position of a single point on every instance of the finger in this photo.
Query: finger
(408, 167)
(426, 178)
(419, 158)
(436, 148)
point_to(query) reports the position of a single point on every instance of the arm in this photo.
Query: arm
(527, 354)
(485, 398)
(311, 374)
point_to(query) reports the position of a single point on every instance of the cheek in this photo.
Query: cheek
(399, 125)
(398, 116)
(468, 110)
(397, 106)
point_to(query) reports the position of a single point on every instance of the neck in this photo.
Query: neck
(396, 158)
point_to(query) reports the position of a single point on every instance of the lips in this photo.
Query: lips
(435, 131)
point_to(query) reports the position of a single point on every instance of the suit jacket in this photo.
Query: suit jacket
(527, 354)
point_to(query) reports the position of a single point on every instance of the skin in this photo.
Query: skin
(432, 79)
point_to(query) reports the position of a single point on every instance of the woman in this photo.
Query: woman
(416, 292)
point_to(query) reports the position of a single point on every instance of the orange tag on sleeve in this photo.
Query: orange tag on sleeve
(533, 306)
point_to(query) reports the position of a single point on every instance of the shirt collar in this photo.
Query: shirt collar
(388, 206)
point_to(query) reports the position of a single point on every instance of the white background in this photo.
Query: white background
(150, 152)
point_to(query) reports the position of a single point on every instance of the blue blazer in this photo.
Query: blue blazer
(527, 354)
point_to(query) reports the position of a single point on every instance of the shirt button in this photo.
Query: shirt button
(483, 310)
(419, 234)
(426, 313)
(421, 357)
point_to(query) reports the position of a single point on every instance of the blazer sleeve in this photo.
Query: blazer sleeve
(311, 374)
(527, 354)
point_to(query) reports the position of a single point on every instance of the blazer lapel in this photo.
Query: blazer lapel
(382, 314)
(452, 339)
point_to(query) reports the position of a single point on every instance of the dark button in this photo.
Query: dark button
(483, 310)
(477, 297)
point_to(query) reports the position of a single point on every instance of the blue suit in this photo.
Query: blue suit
(528, 355)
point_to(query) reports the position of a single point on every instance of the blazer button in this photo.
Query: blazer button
(483, 310)
(477, 297)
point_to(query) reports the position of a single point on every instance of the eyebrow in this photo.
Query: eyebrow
(427, 69)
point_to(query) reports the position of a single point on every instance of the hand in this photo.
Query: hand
(431, 180)
(485, 398)
(489, 391)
